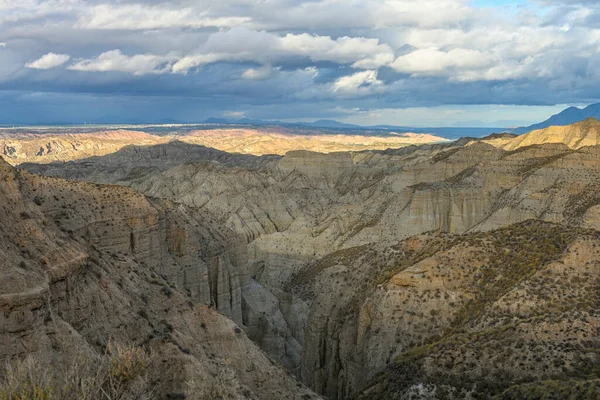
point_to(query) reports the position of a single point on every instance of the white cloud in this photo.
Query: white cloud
(142, 17)
(360, 14)
(258, 74)
(360, 83)
(432, 61)
(242, 44)
(548, 43)
(114, 60)
(377, 61)
(47, 61)
(270, 15)
(357, 50)
(2, 44)
(184, 64)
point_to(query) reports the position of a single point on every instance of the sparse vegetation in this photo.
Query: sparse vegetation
(120, 374)
(224, 384)
(554, 390)
(509, 312)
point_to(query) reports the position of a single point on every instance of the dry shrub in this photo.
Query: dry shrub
(127, 362)
(27, 380)
(127, 373)
(223, 385)
(120, 374)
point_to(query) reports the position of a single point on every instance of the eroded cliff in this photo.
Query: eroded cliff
(85, 264)
(393, 273)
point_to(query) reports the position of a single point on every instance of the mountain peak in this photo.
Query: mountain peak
(566, 117)
(589, 121)
(575, 136)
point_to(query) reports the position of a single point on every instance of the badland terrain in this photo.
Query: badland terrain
(238, 264)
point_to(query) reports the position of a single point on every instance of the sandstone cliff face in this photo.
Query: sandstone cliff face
(83, 264)
(330, 282)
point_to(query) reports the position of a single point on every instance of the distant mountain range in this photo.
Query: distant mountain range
(322, 123)
(568, 116)
(446, 132)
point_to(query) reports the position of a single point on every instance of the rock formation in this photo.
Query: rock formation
(84, 264)
(460, 270)
(260, 142)
(66, 144)
(575, 136)
(44, 148)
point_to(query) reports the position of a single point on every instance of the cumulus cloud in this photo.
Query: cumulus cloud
(369, 53)
(258, 74)
(184, 64)
(357, 50)
(242, 44)
(48, 61)
(273, 15)
(433, 61)
(360, 83)
(115, 60)
(144, 17)
(2, 44)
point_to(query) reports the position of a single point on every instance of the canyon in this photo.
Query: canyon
(459, 270)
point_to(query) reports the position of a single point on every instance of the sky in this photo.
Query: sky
(397, 62)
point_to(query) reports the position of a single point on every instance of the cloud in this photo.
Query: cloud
(242, 44)
(360, 83)
(114, 60)
(357, 50)
(47, 61)
(291, 15)
(2, 44)
(258, 74)
(184, 64)
(307, 56)
(433, 61)
(143, 17)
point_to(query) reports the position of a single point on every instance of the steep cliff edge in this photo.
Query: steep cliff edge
(85, 264)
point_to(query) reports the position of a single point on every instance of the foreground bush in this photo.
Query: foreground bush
(120, 374)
